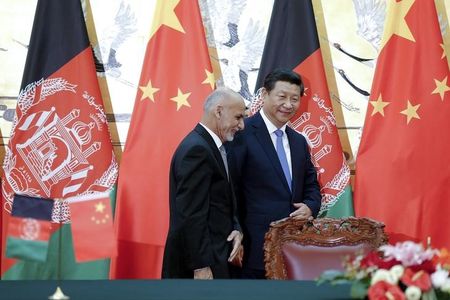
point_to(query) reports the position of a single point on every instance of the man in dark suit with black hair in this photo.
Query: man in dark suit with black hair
(204, 233)
(272, 169)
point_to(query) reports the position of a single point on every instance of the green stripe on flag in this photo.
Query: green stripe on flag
(26, 249)
(343, 207)
(112, 196)
(28, 270)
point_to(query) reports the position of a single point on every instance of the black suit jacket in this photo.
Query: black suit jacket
(262, 192)
(202, 209)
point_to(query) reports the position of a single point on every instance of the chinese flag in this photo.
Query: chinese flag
(92, 228)
(292, 43)
(59, 145)
(403, 164)
(176, 77)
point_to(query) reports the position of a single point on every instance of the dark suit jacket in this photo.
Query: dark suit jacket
(262, 191)
(202, 209)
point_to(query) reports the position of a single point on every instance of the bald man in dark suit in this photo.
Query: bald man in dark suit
(204, 233)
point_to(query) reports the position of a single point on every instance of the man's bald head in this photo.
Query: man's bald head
(223, 113)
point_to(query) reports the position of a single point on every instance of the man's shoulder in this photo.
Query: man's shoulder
(193, 138)
(251, 123)
(253, 119)
(296, 136)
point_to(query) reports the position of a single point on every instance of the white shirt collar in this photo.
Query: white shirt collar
(270, 127)
(213, 135)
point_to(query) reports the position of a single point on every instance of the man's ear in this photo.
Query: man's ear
(218, 111)
(264, 93)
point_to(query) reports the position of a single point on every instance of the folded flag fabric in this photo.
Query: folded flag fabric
(59, 145)
(92, 227)
(29, 228)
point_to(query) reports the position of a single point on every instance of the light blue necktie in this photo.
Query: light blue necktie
(282, 157)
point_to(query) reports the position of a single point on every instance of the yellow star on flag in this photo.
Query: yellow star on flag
(396, 23)
(209, 79)
(441, 87)
(99, 207)
(165, 15)
(443, 51)
(148, 91)
(378, 106)
(411, 112)
(181, 99)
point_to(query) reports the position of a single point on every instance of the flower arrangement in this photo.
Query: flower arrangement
(406, 270)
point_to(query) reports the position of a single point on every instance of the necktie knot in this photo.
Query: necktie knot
(222, 149)
(279, 132)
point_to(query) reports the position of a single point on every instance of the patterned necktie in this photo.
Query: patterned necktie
(223, 153)
(282, 157)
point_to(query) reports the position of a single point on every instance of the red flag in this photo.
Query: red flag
(402, 168)
(315, 118)
(1, 229)
(176, 77)
(92, 228)
(60, 145)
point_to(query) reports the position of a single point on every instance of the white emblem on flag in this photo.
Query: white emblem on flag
(36, 119)
(53, 148)
(76, 181)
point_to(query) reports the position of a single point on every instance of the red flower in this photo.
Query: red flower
(373, 259)
(385, 291)
(427, 266)
(420, 279)
(443, 258)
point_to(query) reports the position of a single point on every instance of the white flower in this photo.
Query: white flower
(446, 286)
(408, 253)
(439, 277)
(413, 293)
(382, 275)
(397, 272)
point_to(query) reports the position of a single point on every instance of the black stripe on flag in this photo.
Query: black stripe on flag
(291, 38)
(58, 35)
(32, 207)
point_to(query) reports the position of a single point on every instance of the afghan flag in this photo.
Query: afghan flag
(29, 228)
(292, 43)
(60, 145)
(403, 165)
(175, 80)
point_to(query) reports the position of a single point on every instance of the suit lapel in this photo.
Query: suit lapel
(208, 138)
(263, 137)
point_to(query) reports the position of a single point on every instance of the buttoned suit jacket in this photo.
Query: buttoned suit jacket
(262, 191)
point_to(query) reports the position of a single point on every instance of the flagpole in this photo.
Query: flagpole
(58, 294)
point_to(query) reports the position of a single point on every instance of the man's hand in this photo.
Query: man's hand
(203, 273)
(236, 237)
(302, 212)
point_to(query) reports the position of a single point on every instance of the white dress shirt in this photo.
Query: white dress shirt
(214, 136)
(271, 128)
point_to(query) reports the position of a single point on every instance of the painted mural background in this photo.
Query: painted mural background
(349, 33)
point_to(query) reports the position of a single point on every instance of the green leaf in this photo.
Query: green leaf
(341, 281)
(358, 290)
(441, 295)
(430, 295)
(330, 276)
